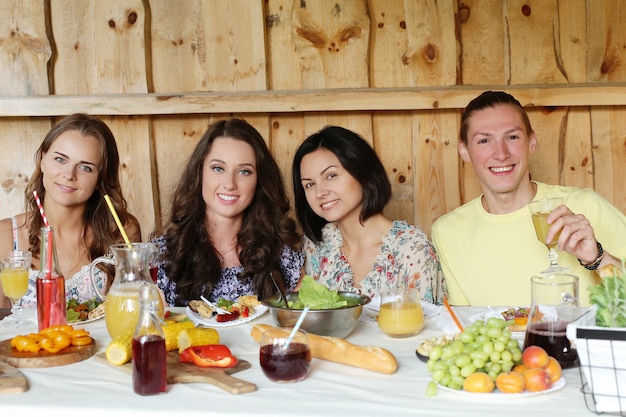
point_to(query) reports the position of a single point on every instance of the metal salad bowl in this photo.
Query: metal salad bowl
(334, 322)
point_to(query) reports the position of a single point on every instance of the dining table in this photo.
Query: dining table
(90, 388)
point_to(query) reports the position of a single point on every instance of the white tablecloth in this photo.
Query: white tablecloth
(90, 388)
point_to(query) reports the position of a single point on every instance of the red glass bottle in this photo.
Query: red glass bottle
(51, 303)
(149, 354)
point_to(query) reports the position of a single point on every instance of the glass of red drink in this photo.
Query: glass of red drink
(282, 360)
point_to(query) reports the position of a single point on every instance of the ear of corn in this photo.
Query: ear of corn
(197, 337)
(171, 331)
(119, 350)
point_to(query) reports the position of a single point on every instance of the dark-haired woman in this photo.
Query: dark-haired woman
(229, 225)
(340, 189)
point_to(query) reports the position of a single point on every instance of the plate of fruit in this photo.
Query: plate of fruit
(484, 360)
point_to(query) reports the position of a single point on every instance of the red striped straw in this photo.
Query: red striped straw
(45, 222)
(43, 215)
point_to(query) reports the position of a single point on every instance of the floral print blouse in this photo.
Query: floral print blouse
(230, 286)
(405, 252)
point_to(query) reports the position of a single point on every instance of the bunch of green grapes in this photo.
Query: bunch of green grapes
(484, 346)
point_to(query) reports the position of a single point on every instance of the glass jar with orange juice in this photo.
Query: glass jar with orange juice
(121, 307)
(401, 312)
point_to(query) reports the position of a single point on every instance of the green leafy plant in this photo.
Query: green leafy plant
(610, 299)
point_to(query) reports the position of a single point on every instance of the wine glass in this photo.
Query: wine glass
(14, 271)
(540, 209)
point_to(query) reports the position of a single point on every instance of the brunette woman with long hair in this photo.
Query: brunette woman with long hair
(229, 225)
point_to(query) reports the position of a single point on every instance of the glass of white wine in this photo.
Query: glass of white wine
(14, 271)
(540, 209)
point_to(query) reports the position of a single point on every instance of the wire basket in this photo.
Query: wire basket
(602, 355)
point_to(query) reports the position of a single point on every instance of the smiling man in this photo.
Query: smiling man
(488, 247)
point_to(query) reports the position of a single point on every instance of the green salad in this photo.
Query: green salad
(317, 296)
(610, 299)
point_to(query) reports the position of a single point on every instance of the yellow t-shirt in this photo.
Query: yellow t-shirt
(488, 259)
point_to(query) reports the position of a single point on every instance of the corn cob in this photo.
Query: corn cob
(197, 337)
(171, 331)
(119, 350)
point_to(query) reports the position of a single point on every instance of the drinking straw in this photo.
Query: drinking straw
(45, 222)
(43, 215)
(117, 219)
(456, 320)
(297, 326)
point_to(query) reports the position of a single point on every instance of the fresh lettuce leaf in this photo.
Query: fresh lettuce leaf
(317, 296)
(610, 298)
(72, 315)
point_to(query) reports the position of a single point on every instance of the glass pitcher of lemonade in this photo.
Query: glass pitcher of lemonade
(401, 312)
(121, 307)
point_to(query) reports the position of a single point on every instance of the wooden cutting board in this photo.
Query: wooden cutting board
(181, 373)
(11, 380)
(43, 359)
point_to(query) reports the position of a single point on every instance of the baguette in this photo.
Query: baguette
(609, 270)
(338, 350)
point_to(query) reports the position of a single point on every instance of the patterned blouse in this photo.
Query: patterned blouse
(405, 252)
(230, 286)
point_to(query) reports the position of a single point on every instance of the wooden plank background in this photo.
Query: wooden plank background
(396, 71)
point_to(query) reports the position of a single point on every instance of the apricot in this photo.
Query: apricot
(535, 357)
(519, 368)
(536, 379)
(478, 382)
(554, 370)
(510, 382)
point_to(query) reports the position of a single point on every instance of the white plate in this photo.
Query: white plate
(212, 322)
(85, 321)
(370, 311)
(558, 385)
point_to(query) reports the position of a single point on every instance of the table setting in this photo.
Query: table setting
(102, 389)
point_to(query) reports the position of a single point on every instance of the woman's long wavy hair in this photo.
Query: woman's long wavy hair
(194, 262)
(97, 216)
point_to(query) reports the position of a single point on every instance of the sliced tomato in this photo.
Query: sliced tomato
(227, 317)
(209, 356)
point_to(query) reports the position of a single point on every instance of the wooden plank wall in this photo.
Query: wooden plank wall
(396, 71)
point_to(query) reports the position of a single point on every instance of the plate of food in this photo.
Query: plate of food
(245, 309)
(516, 317)
(84, 312)
(495, 394)
(423, 350)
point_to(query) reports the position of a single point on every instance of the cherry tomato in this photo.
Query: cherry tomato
(81, 340)
(65, 328)
(55, 340)
(25, 344)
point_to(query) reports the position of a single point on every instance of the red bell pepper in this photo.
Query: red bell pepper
(221, 318)
(209, 356)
